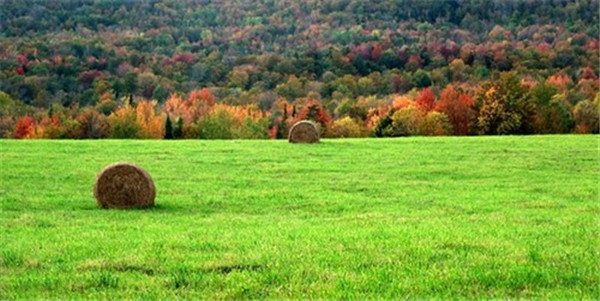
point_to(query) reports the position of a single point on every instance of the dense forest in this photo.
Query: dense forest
(249, 69)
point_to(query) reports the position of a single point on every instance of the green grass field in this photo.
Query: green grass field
(406, 218)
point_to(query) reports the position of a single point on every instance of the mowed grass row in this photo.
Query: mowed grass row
(406, 218)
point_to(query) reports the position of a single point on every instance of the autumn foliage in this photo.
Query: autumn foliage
(314, 111)
(24, 127)
(426, 100)
(150, 122)
(247, 71)
(458, 107)
(507, 105)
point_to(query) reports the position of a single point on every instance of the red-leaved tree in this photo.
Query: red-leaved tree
(459, 109)
(313, 110)
(24, 127)
(198, 104)
(426, 101)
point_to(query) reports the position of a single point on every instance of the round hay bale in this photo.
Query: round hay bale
(123, 186)
(304, 132)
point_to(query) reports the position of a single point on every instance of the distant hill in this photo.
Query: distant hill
(74, 51)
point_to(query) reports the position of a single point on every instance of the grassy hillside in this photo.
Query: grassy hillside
(408, 218)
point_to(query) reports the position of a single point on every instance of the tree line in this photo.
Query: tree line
(502, 106)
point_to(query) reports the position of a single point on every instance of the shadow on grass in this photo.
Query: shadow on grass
(155, 208)
(226, 269)
(150, 271)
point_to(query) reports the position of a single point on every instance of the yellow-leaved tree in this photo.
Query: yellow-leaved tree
(151, 124)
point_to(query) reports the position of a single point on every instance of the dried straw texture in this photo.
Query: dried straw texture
(304, 132)
(123, 186)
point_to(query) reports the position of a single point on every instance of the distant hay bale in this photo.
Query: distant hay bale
(123, 186)
(304, 132)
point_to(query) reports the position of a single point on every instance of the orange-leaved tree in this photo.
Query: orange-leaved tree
(174, 107)
(401, 101)
(198, 103)
(177, 113)
(49, 128)
(560, 80)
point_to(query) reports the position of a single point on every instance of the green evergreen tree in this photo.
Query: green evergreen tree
(178, 129)
(168, 128)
